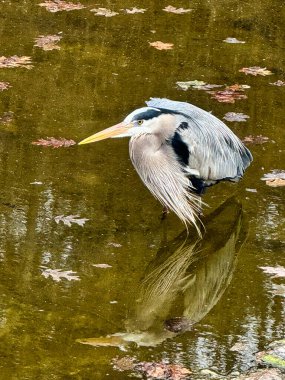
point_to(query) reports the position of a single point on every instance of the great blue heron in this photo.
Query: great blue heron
(178, 150)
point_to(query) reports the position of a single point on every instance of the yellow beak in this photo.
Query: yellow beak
(116, 130)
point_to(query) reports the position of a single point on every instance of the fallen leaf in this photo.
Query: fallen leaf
(178, 324)
(233, 40)
(259, 139)
(59, 274)
(172, 9)
(278, 83)
(104, 12)
(60, 5)
(116, 245)
(277, 271)
(275, 179)
(162, 371)
(227, 96)
(123, 364)
(161, 45)
(55, 143)
(67, 220)
(279, 290)
(238, 87)
(102, 265)
(235, 116)
(16, 61)
(7, 117)
(134, 10)
(48, 42)
(196, 84)
(4, 86)
(256, 70)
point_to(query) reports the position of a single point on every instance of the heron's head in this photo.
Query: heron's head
(146, 120)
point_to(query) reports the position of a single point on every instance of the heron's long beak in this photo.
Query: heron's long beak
(116, 130)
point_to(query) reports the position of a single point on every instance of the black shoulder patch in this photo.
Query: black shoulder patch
(183, 125)
(147, 115)
(180, 148)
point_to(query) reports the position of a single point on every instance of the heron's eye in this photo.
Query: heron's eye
(140, 122)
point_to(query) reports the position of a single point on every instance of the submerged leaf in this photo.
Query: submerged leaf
(256, 70)
(4, 86)
(277, 271)
(172, 9)
(7, 117)
(161, 45)
(55, 143)
(278, 83)
(233, 40)
(125, 363)
(59, 274)
(16, 61)
(134, 10)
(196, 84)
(227, 95)
(69, 219)
(275, 179)
(235, 116)
(259, 139)
(48, 42)
(104, 12)
(60, 5)
(154, 370)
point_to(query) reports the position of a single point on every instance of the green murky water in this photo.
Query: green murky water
(104, 69)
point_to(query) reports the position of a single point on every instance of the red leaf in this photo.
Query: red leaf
(55, 143)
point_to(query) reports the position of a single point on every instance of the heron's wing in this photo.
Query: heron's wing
(215, 152)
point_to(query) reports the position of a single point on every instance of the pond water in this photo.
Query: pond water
(104, 69)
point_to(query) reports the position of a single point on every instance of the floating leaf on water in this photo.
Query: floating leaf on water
(256, 70)
(16, 61)
(278, 83)
(48, 42)
(59, 274)
(4, 86)
(104, 12)
(235, 116)
(192, 83)
(116, 245)
(154, 370)
(227, 95)
(161, 45)
(60, 5)
(275, 179)
(102, 265)
(178, 324)
(277, 271)
(233, 40)
(238, 87)
(7, 117)
(259, 139)
(134, 10)
(172, 9)
(55, 143)
(69, 219)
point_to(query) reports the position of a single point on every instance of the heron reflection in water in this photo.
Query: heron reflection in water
(178, 151)
(187, 279)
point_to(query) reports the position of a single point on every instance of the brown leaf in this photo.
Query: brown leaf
(116, 245)
(55, 143)
(275, 179)
(235, 116)
(7, 117)
(161, 45)
(259, 139)
(104, 12)
(279, 83)
(48, 42)
(227, 96)
(278, 271)
(172, 9)
(162, 371)
(275, 182)
(4, 86)
(134, 10)
(123, 364)
(60, 5)
(16, 61)
(256, 70)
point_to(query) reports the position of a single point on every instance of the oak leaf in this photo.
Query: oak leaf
(172, 9)
(256, 70)
(235, 116)
(48, 42)
(60, 5)
(55, 143)
(59, 274)
(16, 61)
(69, 219)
